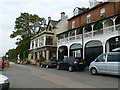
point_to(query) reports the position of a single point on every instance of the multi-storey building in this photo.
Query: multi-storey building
(44, 43)
(91, 31)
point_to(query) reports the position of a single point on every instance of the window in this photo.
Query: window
(89, 18)
(41, 41)
(73, 24)
(102, 12)
(33, 44)
(49, 40)
(75, 12)
(113, 58)
(101, 58)
(36, 43)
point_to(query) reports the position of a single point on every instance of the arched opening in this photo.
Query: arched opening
(98, 28)
(79, 33)
(76, 50)
(87, 31)
(112, 44)
(108, 26)
(72, 35)
(108, 22)
(87, 28)
(117, 23)
(62, 52)
(92, 50)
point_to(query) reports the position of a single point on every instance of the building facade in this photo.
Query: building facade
(91, 32)
(44, 43)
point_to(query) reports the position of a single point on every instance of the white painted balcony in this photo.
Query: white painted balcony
(95, 33)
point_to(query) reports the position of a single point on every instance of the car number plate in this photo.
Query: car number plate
(81, 63)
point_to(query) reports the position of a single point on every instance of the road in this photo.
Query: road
(30, 76)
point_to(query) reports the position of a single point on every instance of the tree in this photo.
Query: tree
(26, 26)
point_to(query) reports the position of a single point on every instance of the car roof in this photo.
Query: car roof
(112, 53)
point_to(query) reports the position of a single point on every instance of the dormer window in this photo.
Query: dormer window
(73, 24)
(75, 12)
(89, 18)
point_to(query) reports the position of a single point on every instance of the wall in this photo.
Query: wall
(110, 9)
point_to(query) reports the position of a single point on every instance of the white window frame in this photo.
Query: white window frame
(73, 24)
(102, 12)
(89, 18)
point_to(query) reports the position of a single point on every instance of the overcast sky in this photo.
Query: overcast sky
(11, 9)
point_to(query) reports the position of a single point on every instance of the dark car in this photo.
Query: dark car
(71, 64)
(49, 64)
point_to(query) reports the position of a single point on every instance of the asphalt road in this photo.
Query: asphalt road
(30, 76)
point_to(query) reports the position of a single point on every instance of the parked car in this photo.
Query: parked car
(1, 63)
(4, 82)
(107, 63)
(49, 64)
(71, 64)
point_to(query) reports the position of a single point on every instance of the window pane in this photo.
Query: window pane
(101, 58)
(113, 58)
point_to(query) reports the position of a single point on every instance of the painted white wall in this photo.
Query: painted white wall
(62, 26)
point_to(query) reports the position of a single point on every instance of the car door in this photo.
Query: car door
(112, 64)
(66, 62)
(100, 63)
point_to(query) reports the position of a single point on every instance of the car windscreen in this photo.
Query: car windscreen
(53, 61)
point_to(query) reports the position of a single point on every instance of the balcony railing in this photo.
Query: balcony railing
(94, 33)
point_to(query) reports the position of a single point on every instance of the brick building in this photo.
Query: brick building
(93, 30)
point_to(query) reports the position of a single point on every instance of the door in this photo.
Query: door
(100, 63)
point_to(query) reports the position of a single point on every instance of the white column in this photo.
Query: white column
(38, 42)
(34, 43)
(114, 23)
(38, 55)
(47, 55)
(68, 36)
(103, 27)
(104, 47)
(44, 40)
(83, 46)
(92, 29)
(68, 51)
(75, 35)
(31, 45)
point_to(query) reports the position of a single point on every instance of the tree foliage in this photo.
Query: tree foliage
(26, 26)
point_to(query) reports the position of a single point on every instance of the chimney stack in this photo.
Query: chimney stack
(62, 15)
(49, 18)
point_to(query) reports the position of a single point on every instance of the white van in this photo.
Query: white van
(107, 63)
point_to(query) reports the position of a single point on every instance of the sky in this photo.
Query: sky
(11, 9)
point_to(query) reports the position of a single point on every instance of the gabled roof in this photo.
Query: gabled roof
(41, 29)
(53, 23)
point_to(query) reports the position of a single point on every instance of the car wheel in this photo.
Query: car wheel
(47, 66)
(93, 71)
(70, 68)
(58, 67)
